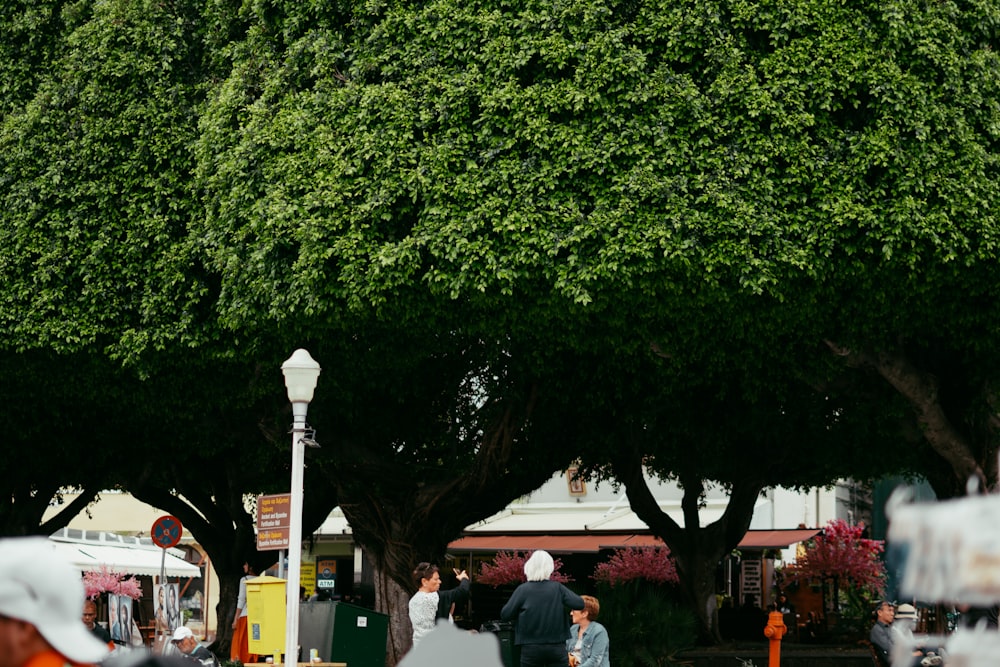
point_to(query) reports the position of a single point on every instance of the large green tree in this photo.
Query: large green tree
(371, 178)
(104, 253)
(867, 136)
(97, 197)
(58, 412)
(851, 157)
(662, 169)
(744, 436)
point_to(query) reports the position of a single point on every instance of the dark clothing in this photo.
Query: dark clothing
(974, 615)
(543, 655)
(101, 632)
(752, 621)
(203, 656)
(881, 637)
(456, 595)
(539, 610)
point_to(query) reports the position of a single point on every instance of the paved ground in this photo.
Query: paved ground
(792, 655)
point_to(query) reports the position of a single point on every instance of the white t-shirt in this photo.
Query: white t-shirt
(241, 599)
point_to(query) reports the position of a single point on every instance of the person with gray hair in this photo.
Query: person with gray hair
(538, 609)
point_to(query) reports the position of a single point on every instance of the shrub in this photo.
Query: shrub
(508, 568)
(649, 564)
(645, 625)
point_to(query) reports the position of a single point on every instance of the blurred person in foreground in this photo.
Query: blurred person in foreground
(41, 596)
(538, 608)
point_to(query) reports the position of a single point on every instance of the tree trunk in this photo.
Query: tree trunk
(225, 530)
(697, 581)
(696, 550)
(392, 599)
(943, 418)
(402, 515)
(225, 609)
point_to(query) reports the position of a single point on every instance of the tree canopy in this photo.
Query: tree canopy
(749, 224)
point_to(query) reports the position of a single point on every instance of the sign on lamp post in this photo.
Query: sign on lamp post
(273, 521)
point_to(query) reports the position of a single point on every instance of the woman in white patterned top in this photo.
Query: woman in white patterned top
(425, 603)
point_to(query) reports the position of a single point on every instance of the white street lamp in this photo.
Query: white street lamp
(301, 374)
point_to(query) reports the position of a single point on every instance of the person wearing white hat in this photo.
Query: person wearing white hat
(905, 618)
(41, 596)
(903, 625)
(188, 645)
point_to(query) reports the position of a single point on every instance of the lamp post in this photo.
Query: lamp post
(301, 374)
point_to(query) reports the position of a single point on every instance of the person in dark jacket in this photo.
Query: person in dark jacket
(90, 620)
(449, 600)
(538, 608)
(884, 637)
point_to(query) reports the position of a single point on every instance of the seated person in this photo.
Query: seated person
(883, 637)
(190, 648)
(904, 623)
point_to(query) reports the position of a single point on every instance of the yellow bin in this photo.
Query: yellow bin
(266, 615)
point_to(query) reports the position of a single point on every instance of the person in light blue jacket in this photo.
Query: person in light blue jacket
(588, 644)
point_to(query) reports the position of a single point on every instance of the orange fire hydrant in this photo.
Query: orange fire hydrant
(774, 631)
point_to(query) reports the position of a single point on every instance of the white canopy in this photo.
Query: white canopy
(121, 554)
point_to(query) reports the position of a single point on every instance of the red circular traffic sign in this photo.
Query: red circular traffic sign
(166, 531)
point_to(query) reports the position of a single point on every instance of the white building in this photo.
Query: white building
(563, 516)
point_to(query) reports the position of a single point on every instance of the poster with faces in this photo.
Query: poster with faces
(120, 618)
(167, 608)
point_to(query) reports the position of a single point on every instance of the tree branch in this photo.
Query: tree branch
(921, 390)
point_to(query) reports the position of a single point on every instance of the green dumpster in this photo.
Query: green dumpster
(510, 653)
(354, 634)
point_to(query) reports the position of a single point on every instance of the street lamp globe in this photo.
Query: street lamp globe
(301, 373)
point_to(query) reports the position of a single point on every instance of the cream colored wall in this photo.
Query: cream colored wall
(120, 513)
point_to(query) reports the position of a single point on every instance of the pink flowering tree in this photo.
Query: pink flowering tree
(651, 564)
(110, 581)
(842, 557)
(508, 568)
(637, 590)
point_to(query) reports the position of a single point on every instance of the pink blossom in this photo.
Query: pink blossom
(652, 564)
(841, 553)
(110, 581)
(508, 568)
